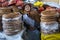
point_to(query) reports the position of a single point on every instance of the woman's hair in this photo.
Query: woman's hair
(45, 6)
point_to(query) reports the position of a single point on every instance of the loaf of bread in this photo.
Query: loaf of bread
(47, 20)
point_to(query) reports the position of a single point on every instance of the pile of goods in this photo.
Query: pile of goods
(10, 18)
(49, 25)
(3, 10)
(12, 23)
(48, 16)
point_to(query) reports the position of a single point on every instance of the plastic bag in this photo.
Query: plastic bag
(50, 31)
(13, 25)
(49, 27)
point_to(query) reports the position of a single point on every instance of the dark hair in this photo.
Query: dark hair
(35, 8)
(45, 6)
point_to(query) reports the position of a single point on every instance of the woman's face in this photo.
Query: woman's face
(27, 8)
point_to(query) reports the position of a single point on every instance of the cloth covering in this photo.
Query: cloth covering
(52, 4)
(55, 36)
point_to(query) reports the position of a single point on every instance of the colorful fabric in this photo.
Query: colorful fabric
(38, 3)
(55, 36)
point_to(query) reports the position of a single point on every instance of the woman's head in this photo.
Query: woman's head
(27, 7)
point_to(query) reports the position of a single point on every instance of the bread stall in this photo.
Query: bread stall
(29, 20)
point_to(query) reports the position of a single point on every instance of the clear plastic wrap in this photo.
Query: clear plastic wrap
(3, 10)
(49, 27)
(13, 25)
(50, 31)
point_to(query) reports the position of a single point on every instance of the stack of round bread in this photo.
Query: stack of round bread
(15, 8)
(49, 22)
(48, 16)
(4, 10)
(12, 23)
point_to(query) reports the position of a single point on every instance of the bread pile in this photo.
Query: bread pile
(4, 10)
(12, 23)
(49, 22)
(15, 8)
(48, 16)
